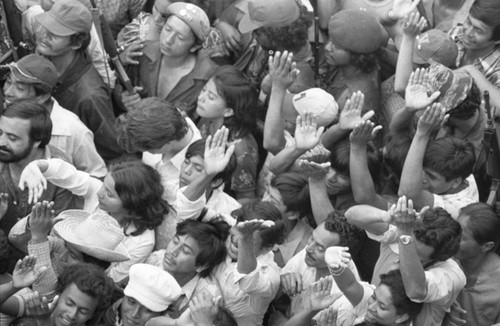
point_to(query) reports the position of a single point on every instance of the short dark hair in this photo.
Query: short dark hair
(366, 62)
(211, 237)
(140, 189)
(151, 125)
(339, 159)
(37, 114)
(394, 281)
(484, 222)
(257, 209)
(294, 191)
(469, 106)
(82, 39)
(349, 234)
(92, 281)
(197, 148)
(488, 11)
(440, 231)
(451, 157)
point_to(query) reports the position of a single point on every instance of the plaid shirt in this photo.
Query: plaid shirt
(489, 64)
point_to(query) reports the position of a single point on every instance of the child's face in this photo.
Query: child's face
(435, 182)
(210, 104)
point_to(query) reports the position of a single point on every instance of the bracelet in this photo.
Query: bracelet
(336, 271)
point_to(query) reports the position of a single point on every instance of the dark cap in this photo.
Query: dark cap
(35, 69)
(66, 18)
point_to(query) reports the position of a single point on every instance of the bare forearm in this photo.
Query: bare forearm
(401, 121)
(349, 286)
(412, 271)
(6, 290)
(247, 261)
(332, 135)
(320, 203)
(368, 218)
(404, 66)
(301, 318)
(285, 159)
(197, 187)
(362, 184)
(274, 139)
(411, 177)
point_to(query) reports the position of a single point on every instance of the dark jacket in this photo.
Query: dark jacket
(81, 90)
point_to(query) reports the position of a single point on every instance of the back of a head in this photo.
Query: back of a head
(152, 124)
(440, 231)
(263, 210)
(294, 191)
(451, 157)
(37, 114)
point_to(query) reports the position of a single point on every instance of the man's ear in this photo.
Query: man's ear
(488, 246)
(200, 269)
(402, 318)
(41, 99)
(455, 183)
(216, 183)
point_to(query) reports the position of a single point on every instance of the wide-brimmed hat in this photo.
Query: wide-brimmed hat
(95, 234)
(66, 18)
(260, 13)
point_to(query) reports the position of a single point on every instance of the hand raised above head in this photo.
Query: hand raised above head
(282, 69)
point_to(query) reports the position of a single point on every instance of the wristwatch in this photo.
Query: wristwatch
(405, 239)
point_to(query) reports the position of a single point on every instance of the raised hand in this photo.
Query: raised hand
(320, 295)
(204, 308)
(404, 216)
(41, 221)
(216, 155)
(4, 203)
(25, 274)
(350, 116)
(131, 52)
(327, 317)
(416, 97)
(291, 283)
(432, 119)
(314, 170)
(39, 306)
(247, 228)
(33, 179)
(413, 24)
(363, 133)
(307, 135)
(337, 257)
(282, 70)
(401, 8)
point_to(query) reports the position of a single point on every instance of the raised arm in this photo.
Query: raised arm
(411, 177)
(416, 99)
(349, 118)
(320, 203)
(369, 218)
(307, 136)
(362, 184)
(412, 25)
(283, 73)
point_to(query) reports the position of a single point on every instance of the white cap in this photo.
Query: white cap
(319, 102)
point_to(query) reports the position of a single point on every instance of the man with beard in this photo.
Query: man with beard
(25, 129)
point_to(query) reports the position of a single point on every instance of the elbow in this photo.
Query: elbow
(272, 146)
(416, 294)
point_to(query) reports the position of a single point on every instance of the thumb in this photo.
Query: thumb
(368, 115)
(434, 96)
(53, 304)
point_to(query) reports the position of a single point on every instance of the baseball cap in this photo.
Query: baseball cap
(260, 13)
(437, 46)
(35, 69)
(66, 18)
(193, 16)
(453, 85)
(318, 102)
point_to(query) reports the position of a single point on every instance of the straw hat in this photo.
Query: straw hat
(97, 235)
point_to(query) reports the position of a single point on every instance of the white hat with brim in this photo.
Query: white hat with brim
(97, 235)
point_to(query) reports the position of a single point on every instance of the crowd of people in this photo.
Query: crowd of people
(274, 162)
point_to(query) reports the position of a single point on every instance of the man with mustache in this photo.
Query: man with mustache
(25, 129)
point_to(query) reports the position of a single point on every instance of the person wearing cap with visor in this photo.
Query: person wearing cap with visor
(149, 293)
(173, 68)
(34, 78)
(63, 39)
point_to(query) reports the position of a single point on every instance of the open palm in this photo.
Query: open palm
(216, 155)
